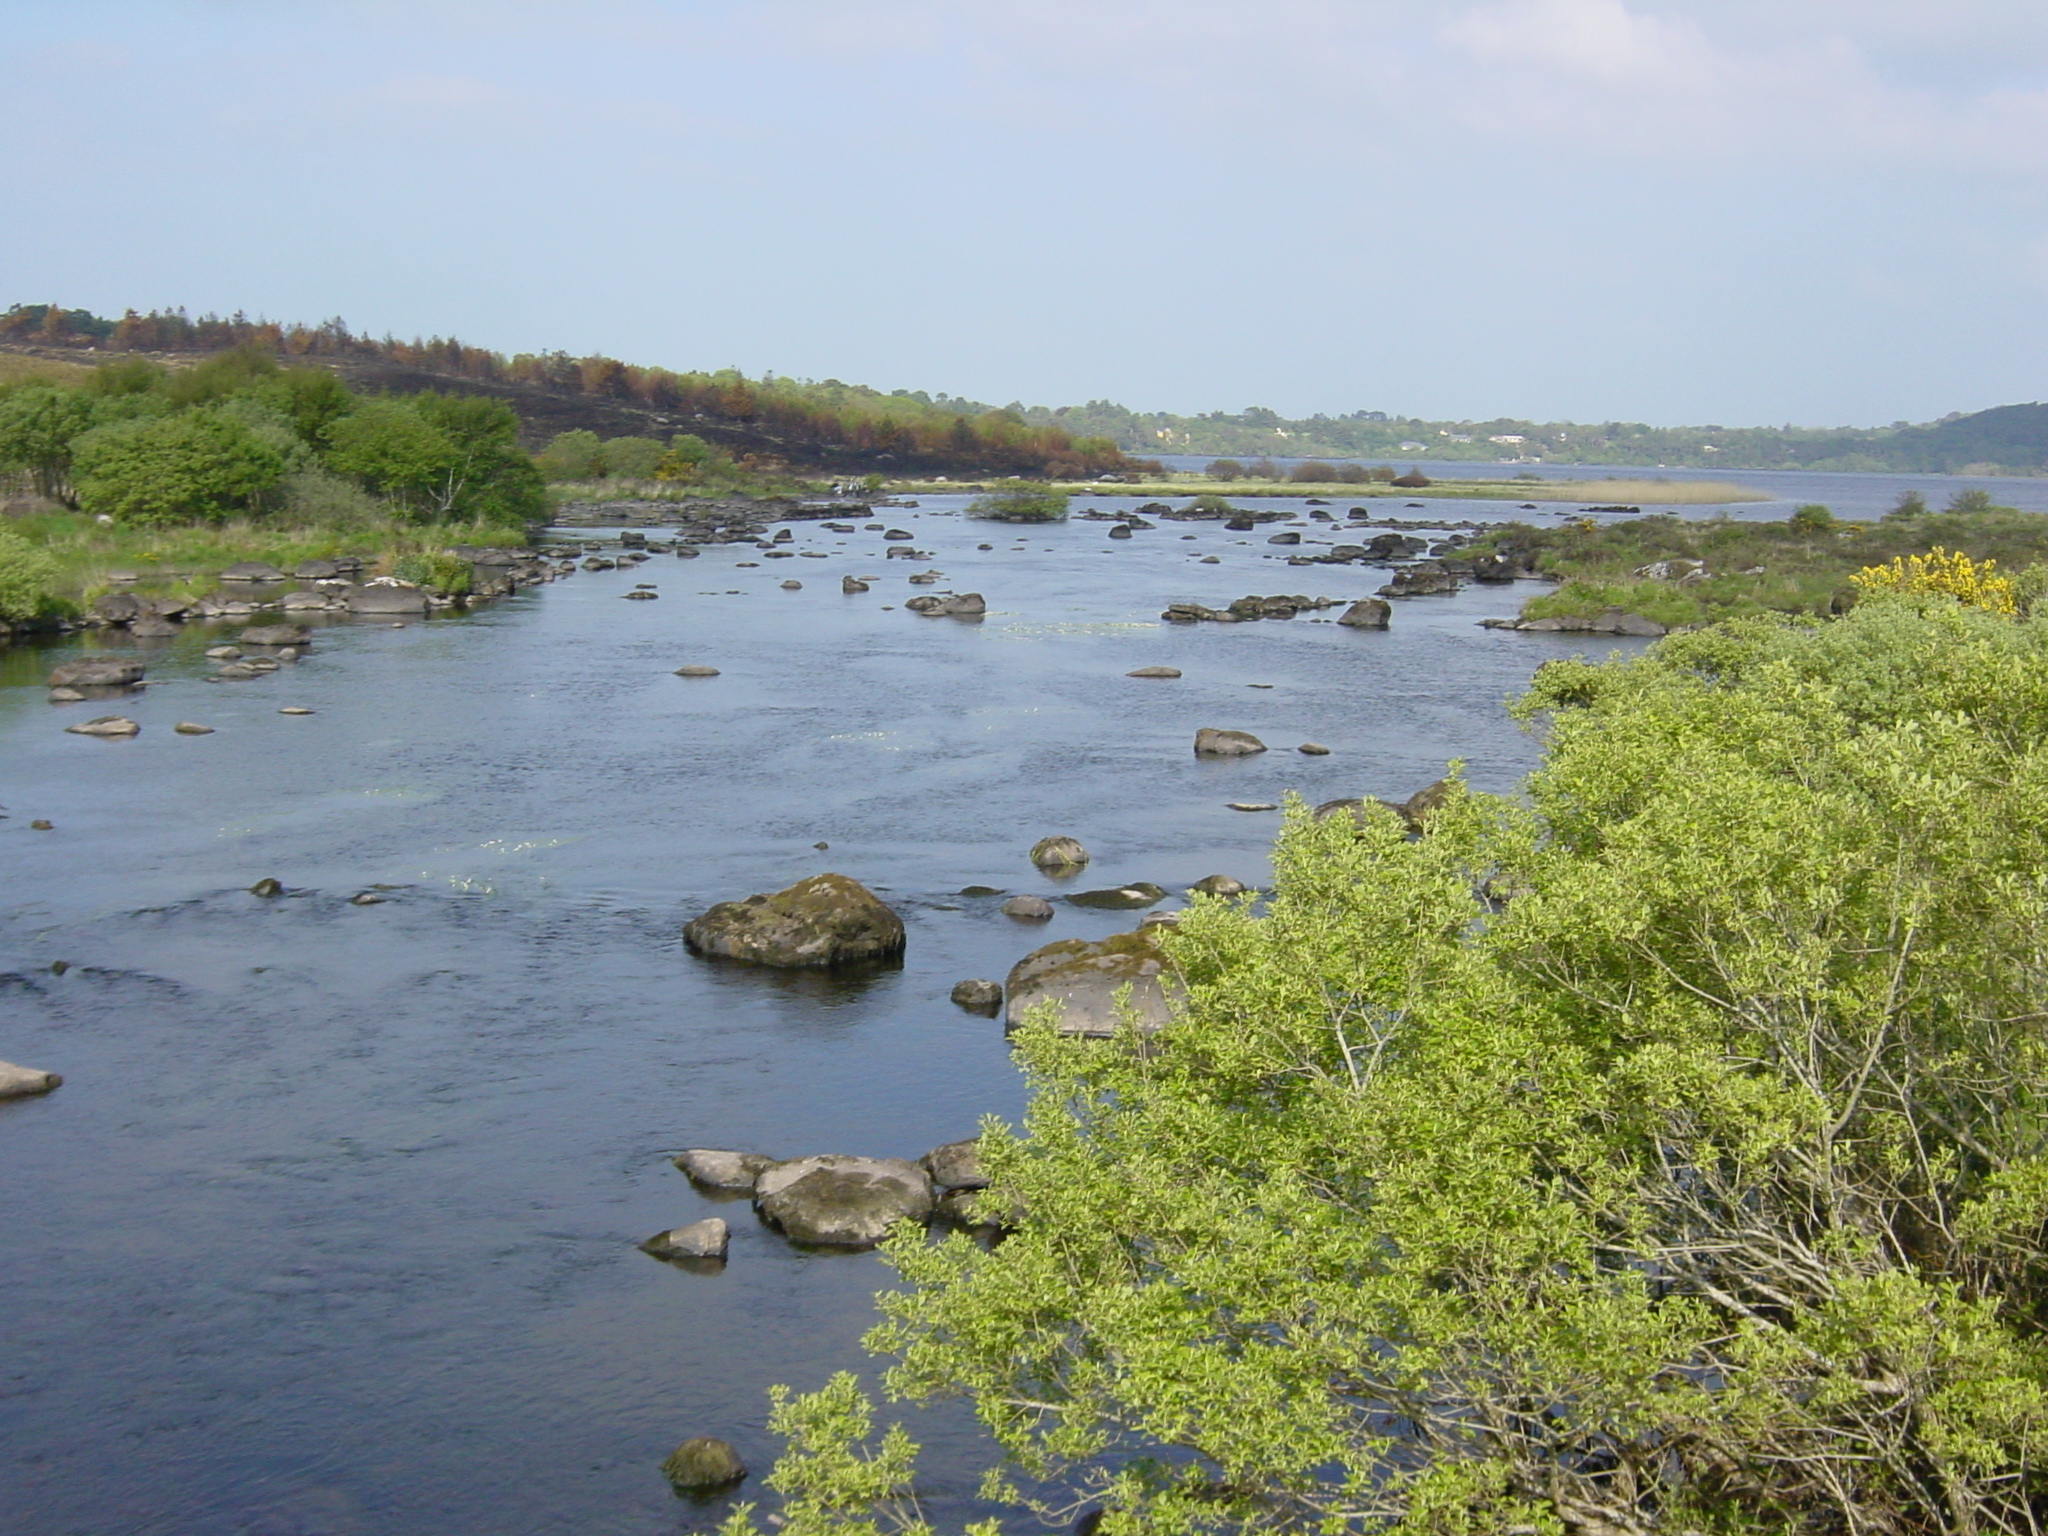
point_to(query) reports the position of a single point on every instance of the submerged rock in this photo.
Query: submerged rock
(1124, 898)
(840, 1201)
(696, 671)
(1155, 672)
(1082, 977)
(105, 725)
(823, 921)
(1034, 909)
(1219, 885)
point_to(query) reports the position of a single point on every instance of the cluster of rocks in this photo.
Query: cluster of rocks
(1415, 811)
(708, 519)
(1245, 610)
(958, 605)
(831, 1200)
(1609, 621)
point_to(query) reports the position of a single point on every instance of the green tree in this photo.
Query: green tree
(199, 465)
(1663, 1150)
(574, 455)
(39, 428)
(632, 458)
(439, 456)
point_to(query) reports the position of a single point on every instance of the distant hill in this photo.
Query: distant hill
(776, 422)
(2014, 437)
(833, 426)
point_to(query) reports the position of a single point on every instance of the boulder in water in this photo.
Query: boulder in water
(1058, 853)
(842, 1202)
(984, 997)
(704, 1239)
(826, 920)
(1215, 743)
(21, 1082)
(1367, 613)
(276, 634)
(701, 1464)
(1155, 672)
(1033, 909)
(1083, 978)
(105, 725)
(98, 672)
(956, 1165)
(730, 1172)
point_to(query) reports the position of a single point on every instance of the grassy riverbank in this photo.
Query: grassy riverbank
(1720, 568)
(91, 557)
(1688, 493)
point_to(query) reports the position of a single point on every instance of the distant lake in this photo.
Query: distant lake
(1858, 497)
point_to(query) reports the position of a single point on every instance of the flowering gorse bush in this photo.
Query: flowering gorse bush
(1972, 582)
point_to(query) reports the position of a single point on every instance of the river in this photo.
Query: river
(330, 1231)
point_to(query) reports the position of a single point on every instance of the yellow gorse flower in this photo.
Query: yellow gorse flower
(1971, 582)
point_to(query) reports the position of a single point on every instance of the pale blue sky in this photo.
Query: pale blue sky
(1738, 211)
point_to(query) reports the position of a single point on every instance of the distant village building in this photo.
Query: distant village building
(1509, 439)
(1413, 447)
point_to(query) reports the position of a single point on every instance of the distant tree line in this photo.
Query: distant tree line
(911, 430)
(1308, 472)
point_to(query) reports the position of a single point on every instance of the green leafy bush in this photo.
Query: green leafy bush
(28, 578)
(448, 575)
(1020, 504)
(1662, 1149)
(199, 465)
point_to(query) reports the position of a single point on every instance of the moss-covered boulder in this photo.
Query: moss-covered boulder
(826, 920)
(1083, 978)
(703, 1463)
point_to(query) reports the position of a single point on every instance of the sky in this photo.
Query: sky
(1821, 212)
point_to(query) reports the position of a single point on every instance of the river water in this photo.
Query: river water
(331, 1228)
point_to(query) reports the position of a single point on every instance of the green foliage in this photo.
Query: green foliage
(632, 458)
(1020, 504)
(40, 425)
(446, 574)
(200, 465)
(577, 455)
(1797, 566)
(440, 457)
(28, 578)
(316, 498)
(1692, 1181)
(1812, 518)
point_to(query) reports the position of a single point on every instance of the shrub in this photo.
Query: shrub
(1225, 469)
(571, 456)
(1021, 504)
(1972, 500)
(200, 465)
(1975, 584)
(1657, 1150)
(447, 574)
(315, 497)
(28, 578)
(1811, 518)
(632, 458)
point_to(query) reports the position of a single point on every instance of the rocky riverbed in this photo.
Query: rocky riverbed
(378, 1034)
